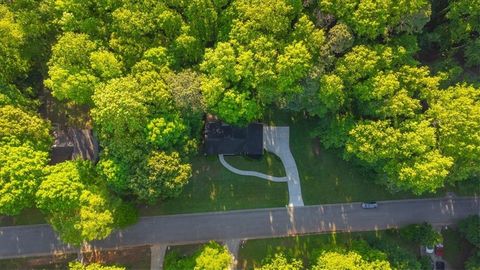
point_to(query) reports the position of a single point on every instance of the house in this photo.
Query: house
(221, 138)
(71, 143)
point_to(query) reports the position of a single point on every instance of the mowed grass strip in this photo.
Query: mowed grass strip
(214, 188)
(308, 247)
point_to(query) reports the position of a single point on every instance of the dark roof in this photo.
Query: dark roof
(221, 138)
(73, 143)
(60, 154)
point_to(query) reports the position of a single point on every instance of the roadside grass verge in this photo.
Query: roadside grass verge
(308, 247)
(457, 248)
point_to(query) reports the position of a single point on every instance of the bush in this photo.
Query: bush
(422, 234)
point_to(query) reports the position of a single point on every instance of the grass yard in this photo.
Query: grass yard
(457, 248)
(46, 262)
(324, 175)
(26, 217)
(131, 258)
(308, 247)
(214, 188)
(269, 164)
(325, 178)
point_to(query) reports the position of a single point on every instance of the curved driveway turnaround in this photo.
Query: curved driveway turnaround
(277, 141)
(250, 173)
(248, 224)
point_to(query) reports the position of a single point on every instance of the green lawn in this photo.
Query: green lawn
(28, 216)
(214, 188)
(308, 247)
(324, 175)
(325, 178)
(269, 164)
(131, 258)
(457, 248)
(46, 262)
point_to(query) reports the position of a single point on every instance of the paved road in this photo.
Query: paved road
(248, 224)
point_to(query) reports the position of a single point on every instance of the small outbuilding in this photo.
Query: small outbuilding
(221, 138)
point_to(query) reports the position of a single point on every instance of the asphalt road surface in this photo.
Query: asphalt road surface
(37, 240)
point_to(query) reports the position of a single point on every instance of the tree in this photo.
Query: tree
(136, 27)
(470, 228)
(11, 40)
(383, 95)
(21, 171)
(463, 20)
(211, 256)
(121, 116)
(37, 23)
(69, 71)
(77, 206)
(330, 95)
(407, 155)
(270, 16)
(422, 234)
(89, 17)
(280, 262)
(267, 54)
(105, 65)
(331, 260)
(202, 16)
(161, 176)
(292, 66)
(339, 38)
(185, 88)
(92, 266)
(11, 95)
(166, 133)
(22, 127)
(472, 52)
(455, 113)
(473, 263)
(371, 19)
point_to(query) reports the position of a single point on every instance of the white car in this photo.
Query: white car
(429, 250)
(369, 205)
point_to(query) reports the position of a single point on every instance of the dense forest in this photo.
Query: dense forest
(393, 84)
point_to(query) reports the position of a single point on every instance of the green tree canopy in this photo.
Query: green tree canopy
(22, 127)
(77, 67)
(77, 206)
(161, 176)
(370, 19)
(92, 266)
(422, 234)
(332, 260)
(455, 113)
(211, 256)
(470, 227)
(265, 57)
(21, 171)
(11, 42)
(280, 262)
